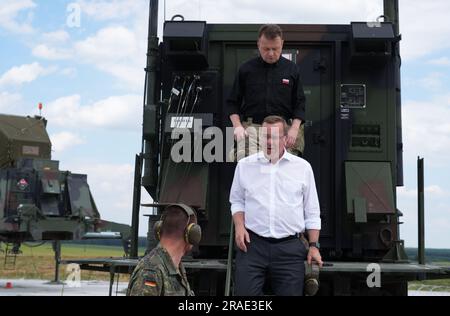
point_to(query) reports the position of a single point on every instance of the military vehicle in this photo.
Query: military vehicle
(38, 201)
(353, 135)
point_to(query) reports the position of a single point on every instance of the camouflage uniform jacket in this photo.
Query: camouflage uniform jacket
(156, 275)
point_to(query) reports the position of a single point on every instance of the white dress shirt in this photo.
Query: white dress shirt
(279, 200)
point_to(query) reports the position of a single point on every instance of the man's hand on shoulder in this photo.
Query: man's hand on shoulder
(293, 133)
(292, 136)
(240, 133)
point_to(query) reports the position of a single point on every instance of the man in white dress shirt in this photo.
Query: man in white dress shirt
(273, 200)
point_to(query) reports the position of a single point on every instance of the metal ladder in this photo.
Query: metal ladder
(10, 257)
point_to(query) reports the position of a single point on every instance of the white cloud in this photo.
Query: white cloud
(64, 140)
(9, 102)
(23, 74)
(432, 191)
(49, 53)
(56, 36)
(427, 133)
(436, 190)
(123, 112)
(426, 129)
(117, 51)
(439, 228)
(111, 43)
(443, 61)
(53, 46)
(9, 11)
(69, 72)
(424, 26)
(433, 81)
(112, 9)
(437, 217)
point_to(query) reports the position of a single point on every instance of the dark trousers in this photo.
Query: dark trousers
(282, 262)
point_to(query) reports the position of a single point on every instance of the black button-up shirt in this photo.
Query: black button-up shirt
(261, 89)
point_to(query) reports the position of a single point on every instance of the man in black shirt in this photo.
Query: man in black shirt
(267, 85)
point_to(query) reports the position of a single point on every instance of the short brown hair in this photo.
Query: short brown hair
(270, 31)
(273, 119)
(175, 221)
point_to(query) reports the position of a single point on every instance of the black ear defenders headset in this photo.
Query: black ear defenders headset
(193, 231)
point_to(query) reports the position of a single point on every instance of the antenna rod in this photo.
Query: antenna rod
(391, 10)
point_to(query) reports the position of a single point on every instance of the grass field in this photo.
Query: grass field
(433, 285)
(38, 263)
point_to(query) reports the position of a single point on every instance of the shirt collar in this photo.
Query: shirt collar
(286, 156)
(165, 256)
(267, 64)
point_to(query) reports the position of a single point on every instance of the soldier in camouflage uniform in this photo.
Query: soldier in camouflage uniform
(156, 275)
(161, 272)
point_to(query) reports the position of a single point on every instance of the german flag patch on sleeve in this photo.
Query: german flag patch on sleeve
(150, 279)
(150, 283)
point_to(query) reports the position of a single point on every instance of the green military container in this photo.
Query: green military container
(23, 137)
(38, 201)
(351, 130)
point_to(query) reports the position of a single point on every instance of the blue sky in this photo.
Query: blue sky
(90, 79)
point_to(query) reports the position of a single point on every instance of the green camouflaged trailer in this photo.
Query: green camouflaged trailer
(39, 202)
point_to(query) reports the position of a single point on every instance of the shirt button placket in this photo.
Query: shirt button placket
(268, 89)
(272, 199)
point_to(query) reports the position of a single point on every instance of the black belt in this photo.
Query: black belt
(275, 240)
(258, 119)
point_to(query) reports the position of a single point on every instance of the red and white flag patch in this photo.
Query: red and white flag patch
(286, 81)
